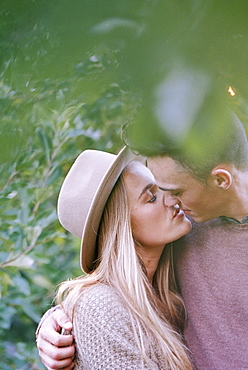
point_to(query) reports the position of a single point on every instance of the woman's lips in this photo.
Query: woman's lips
(178, 212)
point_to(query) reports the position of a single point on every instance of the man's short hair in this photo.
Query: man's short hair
(201, 150)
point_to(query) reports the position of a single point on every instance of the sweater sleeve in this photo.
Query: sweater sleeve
(44, 317)
(103, 333)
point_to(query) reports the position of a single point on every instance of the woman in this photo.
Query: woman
(126, 312)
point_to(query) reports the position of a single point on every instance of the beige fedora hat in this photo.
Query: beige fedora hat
(84, 194)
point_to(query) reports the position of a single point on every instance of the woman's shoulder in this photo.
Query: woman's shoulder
(99, 299)
(100, 312)
(98, 292)
(103, 331)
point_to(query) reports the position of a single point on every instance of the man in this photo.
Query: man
(211, 262)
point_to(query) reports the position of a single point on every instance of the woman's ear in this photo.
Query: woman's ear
(222, 178)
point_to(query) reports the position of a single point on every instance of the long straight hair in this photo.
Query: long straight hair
(156, 310)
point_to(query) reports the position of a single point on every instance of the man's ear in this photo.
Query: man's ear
(221, 177)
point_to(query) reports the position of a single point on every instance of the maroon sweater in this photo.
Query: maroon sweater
(212, 272)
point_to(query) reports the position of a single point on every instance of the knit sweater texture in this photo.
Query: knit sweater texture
(104, 334)
(212, 272)
(211, 265)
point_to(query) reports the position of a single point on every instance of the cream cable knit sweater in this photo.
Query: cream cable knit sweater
(103, 334)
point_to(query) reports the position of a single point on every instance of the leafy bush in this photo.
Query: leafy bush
(45, 127)
(58, 96)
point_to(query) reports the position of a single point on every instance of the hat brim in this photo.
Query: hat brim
(88, 253)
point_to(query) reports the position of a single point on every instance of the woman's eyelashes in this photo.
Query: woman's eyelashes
(154, 197)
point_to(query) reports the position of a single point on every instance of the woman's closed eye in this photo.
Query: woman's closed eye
(154, 197)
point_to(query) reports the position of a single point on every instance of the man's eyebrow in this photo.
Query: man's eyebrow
(145, 189)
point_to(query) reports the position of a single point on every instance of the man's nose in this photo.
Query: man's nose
(170, 200)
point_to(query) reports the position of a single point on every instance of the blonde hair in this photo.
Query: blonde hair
(156, 311)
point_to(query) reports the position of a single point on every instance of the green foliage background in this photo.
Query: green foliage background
(57, 98)
(72, 72)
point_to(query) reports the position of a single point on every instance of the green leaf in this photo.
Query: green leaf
(22, 284)
(22, 262)
(44, 141)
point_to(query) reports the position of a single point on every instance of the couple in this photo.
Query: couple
(210, 264)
